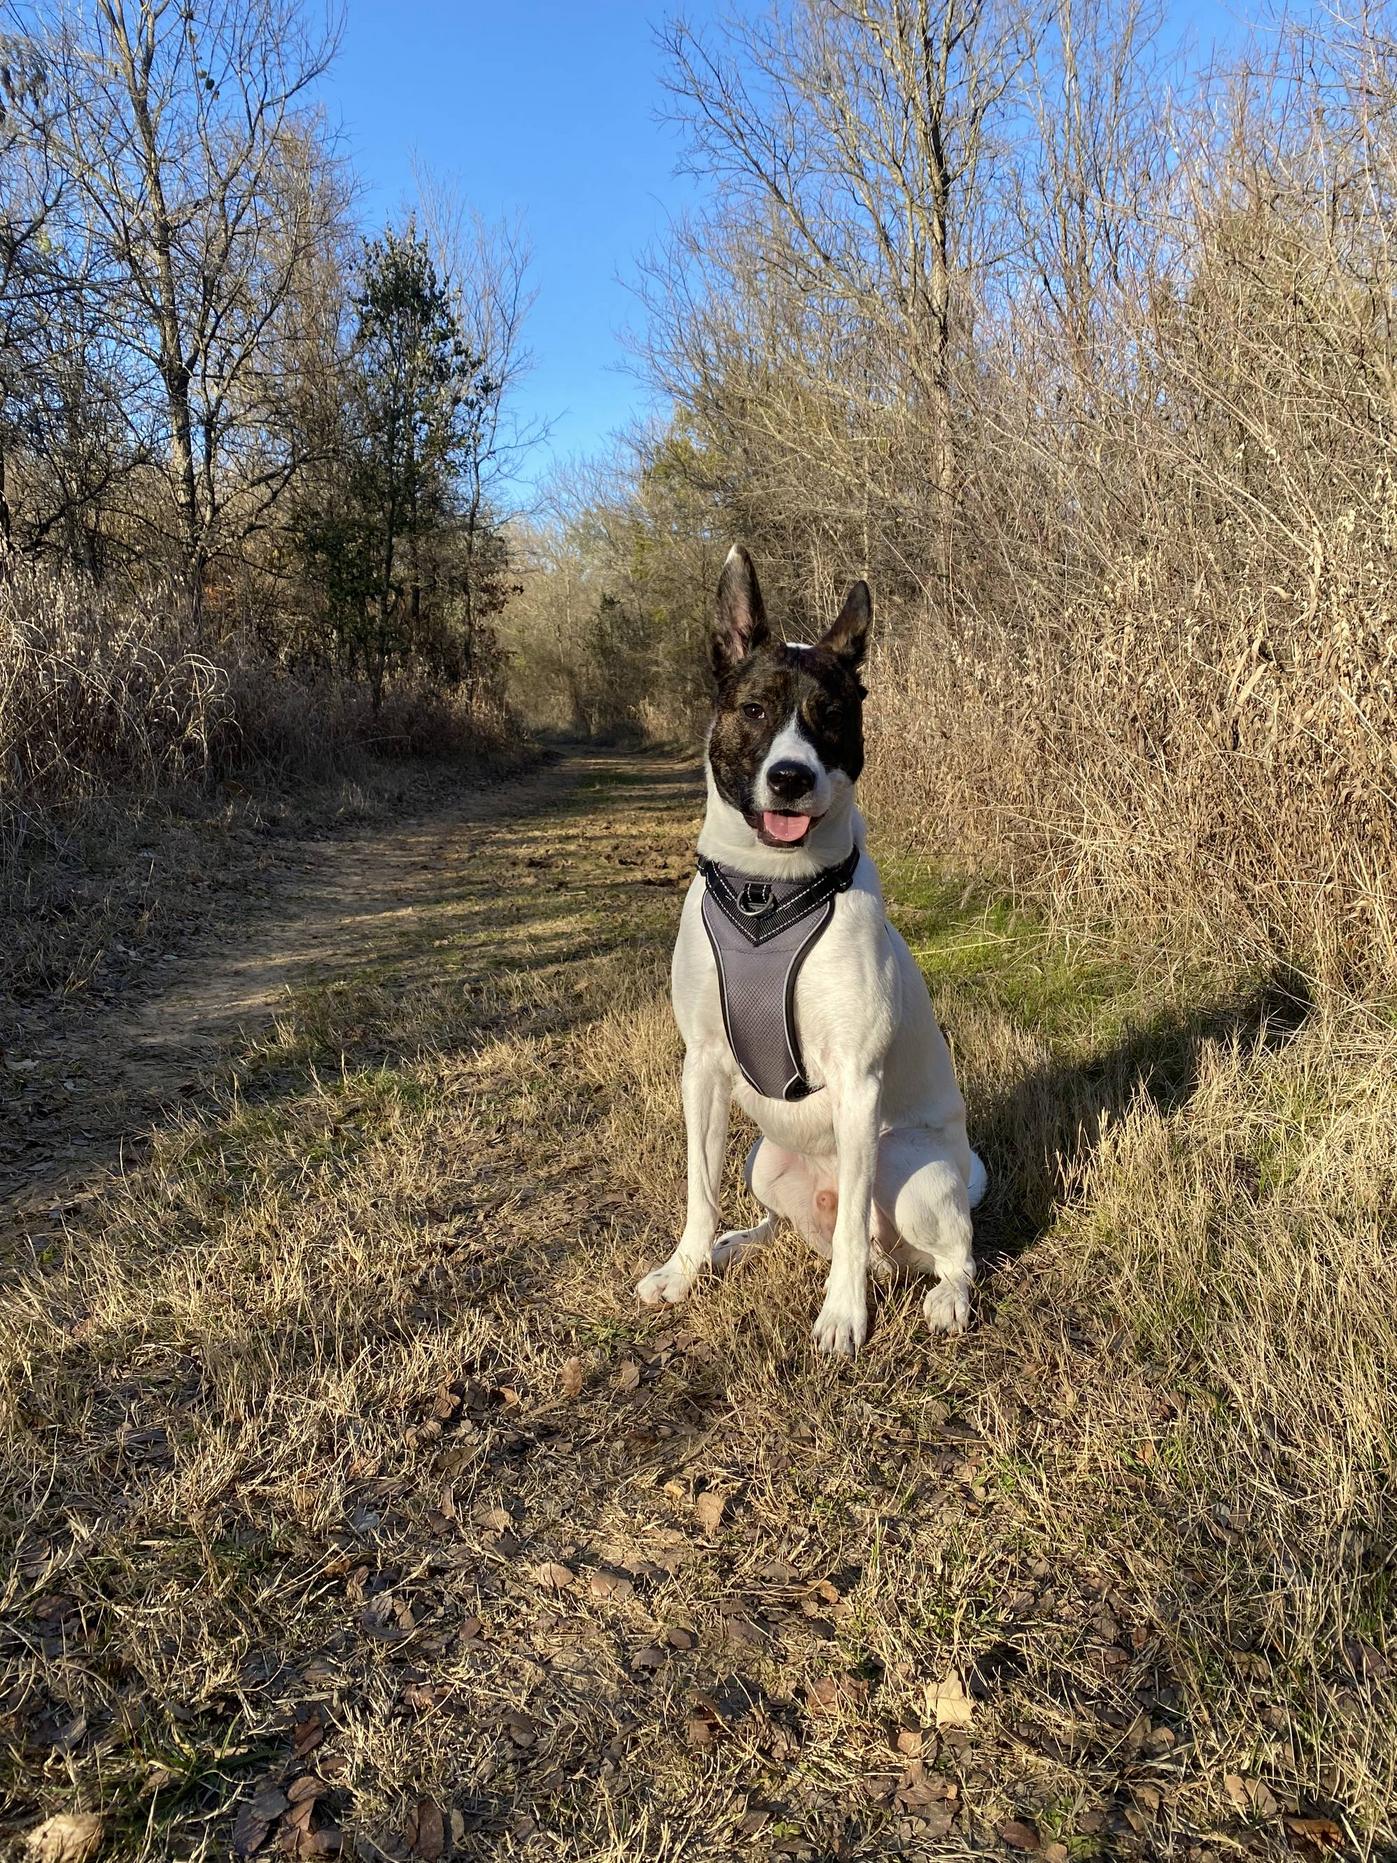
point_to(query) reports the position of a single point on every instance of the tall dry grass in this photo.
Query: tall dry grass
(1193, 768)
(1163, 688)
(113, 718)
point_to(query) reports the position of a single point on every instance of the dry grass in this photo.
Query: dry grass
(1199, 785)
(126, 748)
(338, 1414)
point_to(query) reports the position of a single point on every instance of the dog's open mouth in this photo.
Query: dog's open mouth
(775, 828)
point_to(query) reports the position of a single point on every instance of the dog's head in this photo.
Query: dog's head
(787, 738)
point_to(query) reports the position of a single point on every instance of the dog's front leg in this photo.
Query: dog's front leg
(707, 1091)
(842, 1325)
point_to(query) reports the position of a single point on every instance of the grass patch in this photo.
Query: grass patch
(336, 1450)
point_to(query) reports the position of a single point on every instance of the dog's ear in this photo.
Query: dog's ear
(739, 620)
(848, 638)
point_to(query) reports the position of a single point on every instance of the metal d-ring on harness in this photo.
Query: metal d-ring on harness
(761, 932)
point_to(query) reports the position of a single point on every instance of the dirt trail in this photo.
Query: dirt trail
(87, 1086)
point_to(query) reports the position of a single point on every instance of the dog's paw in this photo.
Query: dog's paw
(670, 1284)
(842, 1326)
(947, 1307)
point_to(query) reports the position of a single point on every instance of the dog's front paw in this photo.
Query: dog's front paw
(842, 1325)
(669, 1283)
(947, 1307)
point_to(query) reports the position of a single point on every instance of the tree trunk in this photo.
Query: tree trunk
(6, 519)
(174, 368)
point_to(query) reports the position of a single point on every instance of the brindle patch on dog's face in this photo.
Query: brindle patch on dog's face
(775, 686)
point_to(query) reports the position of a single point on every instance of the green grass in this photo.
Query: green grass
(978, 950)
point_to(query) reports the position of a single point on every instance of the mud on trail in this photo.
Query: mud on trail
(351, 1506)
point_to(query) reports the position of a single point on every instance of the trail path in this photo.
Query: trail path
(83, 1086)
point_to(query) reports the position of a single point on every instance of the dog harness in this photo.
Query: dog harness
(761, 932)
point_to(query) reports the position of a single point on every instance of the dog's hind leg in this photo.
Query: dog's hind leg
(791, 1186)
(921, 1191)
(729, 1249)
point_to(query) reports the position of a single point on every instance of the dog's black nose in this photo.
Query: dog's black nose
(790, 780)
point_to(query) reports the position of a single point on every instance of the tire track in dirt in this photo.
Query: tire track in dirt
(87, 1088)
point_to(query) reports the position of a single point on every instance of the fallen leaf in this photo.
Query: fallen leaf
(835, 1691)
(307, 1734)
(651, 1657)
(306, 1789)
(708, 1510)
(1263, 1800)
(426, 1831)
(678, 1638)
(605, 1584)
(910, 1740)
(1323, 1833)
(947, 1702)
(1251, 1796)
(1018, 1835)
(249, 1831)
(70, 1837)
(572, 1378)
(628, 1377)
(554, 1577)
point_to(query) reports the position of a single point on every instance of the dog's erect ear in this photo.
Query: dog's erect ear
(739, 621)
(848, 638)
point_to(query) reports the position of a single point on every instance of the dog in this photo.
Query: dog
(796, 998)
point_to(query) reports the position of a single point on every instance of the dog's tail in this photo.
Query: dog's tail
(978, 1181)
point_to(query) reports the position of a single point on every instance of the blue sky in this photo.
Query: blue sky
(540, 106)
(548, 107)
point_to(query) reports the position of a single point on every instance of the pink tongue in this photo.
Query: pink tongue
(784, 827)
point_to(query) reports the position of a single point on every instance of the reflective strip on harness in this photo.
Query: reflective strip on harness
(761, 932)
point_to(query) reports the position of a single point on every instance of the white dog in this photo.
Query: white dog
(796, 997)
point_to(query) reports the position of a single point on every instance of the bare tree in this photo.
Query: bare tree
(862, 137)
(486, 266)
(181, 126)
(1092, 194)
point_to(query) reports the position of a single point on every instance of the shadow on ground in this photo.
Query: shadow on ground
(1039, 1136)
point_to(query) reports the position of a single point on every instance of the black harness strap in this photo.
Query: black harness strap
(761, 932)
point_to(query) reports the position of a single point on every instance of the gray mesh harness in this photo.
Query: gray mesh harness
(762, 932)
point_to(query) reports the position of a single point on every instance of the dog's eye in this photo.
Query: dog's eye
(754, 711)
